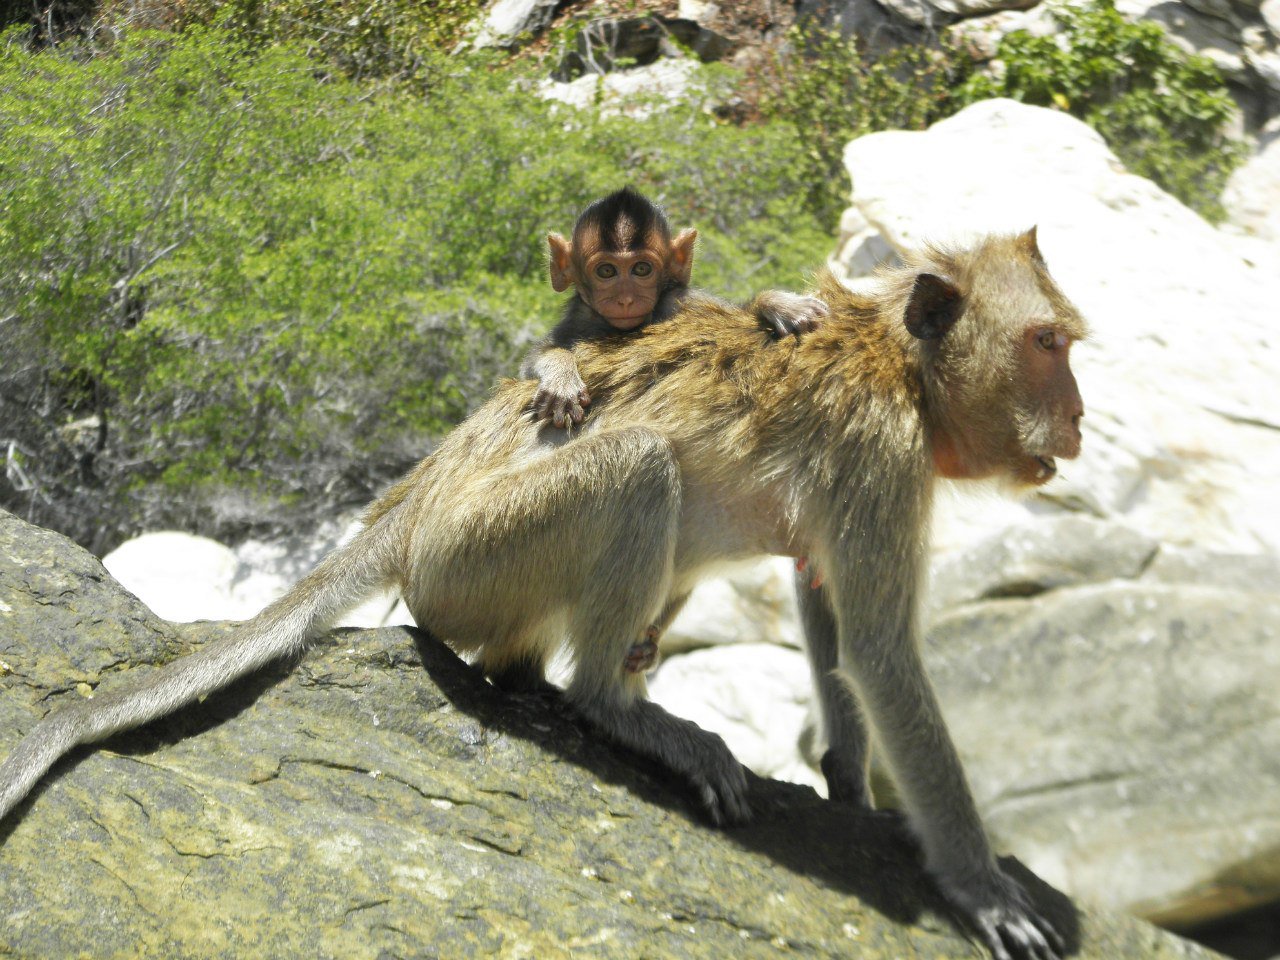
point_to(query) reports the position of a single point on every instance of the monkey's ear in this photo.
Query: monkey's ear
(1028, 245)
(560, 262)
(680, 259)
(933, 308)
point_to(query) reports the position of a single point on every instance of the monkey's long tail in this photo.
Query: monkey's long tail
(340, 581)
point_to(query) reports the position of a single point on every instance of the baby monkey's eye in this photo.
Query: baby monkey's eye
(642, 269)
(1047, 339)
(606, 271)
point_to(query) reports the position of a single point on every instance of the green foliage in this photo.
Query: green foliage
(1162, 111)
(245, 273)
(389, 38)
(830, 91)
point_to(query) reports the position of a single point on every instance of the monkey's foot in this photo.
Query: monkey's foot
(643, 656)
(719, 781)
(523, 677)
(846, 781)
(1002, 915)
(791, 314)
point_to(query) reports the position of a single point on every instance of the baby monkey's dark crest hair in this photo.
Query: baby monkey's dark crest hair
(622, 221)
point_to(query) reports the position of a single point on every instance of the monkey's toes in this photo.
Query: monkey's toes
(1002, 915)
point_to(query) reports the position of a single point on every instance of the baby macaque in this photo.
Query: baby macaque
(627, 271)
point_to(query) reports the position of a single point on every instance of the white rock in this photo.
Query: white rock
(981, 35)
(184, 577)
(1179, 380)
(1252, 197)
(506, 20)
(753, 605)
(698, 10)
(755, 695)
(1271, 16)
(637, 92)
(179, 576)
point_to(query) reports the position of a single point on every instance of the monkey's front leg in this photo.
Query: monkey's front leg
(880, 651)
(787, 314)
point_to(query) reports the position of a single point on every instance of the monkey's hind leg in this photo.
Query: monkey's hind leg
(844, 764)
(619, 607)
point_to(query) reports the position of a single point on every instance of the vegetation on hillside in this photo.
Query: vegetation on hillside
(1165, 113)
(261, 251)
(226, 274)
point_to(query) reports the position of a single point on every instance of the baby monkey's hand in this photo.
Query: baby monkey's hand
(562, 400)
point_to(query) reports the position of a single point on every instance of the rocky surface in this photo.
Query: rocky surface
(1119, 721)
(380, 799)
(1252, 197)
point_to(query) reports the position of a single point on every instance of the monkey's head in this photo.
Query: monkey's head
(996, 335)
(622, 258)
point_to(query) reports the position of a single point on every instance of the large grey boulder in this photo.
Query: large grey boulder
(1122, 739)
(380, 799)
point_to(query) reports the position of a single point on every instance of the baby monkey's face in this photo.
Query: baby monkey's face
(623, 287)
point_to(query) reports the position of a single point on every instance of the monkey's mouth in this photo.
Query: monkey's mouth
(1046, 467)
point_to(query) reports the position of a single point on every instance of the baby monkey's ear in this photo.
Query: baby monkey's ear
(680, 257)
(560, 262)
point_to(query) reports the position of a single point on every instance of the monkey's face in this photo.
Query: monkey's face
(1002, 338)
(1049, 404)
(623, 287)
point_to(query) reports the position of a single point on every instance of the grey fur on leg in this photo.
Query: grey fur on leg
(844, 763)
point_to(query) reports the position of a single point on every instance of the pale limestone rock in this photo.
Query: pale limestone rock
(634, 93)
(700, 11)
(1120, 736)
(754, 604)
(506, 20)
(1270, 11)
(179, 576)
(1252, 197)
(184, 578)
(1181, 433)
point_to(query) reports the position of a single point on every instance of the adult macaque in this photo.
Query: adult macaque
(627, 271)
(703, 448)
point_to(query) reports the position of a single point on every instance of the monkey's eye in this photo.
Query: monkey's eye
(606, 271)
(1047, 339)
(642, 269)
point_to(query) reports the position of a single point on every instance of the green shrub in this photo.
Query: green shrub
(389, 38)
(830, 91)
(248, 275)
(1161, 110)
